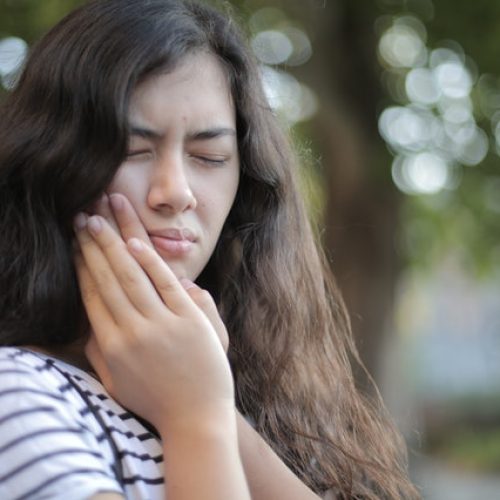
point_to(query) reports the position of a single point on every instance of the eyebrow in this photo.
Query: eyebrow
(197, 135)
(144, 132)
(211, 133)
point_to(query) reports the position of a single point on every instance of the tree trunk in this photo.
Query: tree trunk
(361, 215)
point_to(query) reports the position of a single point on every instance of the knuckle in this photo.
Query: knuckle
(167, 286)
(136, 335)
(102, 279)
(110, 243)
(204, 298)
(127, 277)
(88, 292)
(128, 225)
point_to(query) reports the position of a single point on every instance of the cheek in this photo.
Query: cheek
(216, 198)
(130, 183)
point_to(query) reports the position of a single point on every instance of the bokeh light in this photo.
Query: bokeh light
(408, 128)
(421, 86)
(272, 47)
(403, 44)
(278, 43)
(434, 130)
(302, 48)
(291, 99)
(421, 173)
(13, 51)
(453, 79)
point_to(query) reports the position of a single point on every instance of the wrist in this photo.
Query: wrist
(206, 423)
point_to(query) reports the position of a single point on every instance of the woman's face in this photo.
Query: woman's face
(182, 169)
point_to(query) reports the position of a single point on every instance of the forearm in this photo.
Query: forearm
(203, 461)
(268, 477)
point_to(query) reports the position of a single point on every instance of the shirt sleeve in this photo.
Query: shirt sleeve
(47, 450)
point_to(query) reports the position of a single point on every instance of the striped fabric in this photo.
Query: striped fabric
(52, 444)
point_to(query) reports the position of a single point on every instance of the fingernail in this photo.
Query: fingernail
(116, 201)
(187, 284)
(80, 221)
(135, 245)
(94, 224)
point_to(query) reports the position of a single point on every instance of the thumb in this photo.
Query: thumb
(206, 303)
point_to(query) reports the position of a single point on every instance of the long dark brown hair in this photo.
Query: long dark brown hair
(64, 133)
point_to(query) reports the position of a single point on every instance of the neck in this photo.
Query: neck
(73, 354)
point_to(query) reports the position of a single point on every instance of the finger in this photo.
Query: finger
(99, 317)
(107, 281)
(129, 223)
(164, 280)
(103, 208)
(206, 303)
(125, 274)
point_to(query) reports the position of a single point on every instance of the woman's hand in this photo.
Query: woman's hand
(120, 214)
(155, 350)
(268, 477)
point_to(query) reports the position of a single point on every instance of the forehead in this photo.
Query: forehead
(198, 85)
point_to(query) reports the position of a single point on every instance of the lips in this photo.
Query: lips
(173, 242)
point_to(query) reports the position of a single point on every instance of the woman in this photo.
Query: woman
(138, 155)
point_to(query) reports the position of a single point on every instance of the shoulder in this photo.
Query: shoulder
(47, 444)
(37, 390)
(28, 381)
(22, 373)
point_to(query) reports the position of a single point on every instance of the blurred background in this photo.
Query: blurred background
(395, 109)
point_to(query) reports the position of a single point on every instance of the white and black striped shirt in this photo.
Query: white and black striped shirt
(63, 437)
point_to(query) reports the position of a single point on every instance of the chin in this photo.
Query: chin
(181, 271)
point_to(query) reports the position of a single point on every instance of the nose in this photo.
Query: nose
(169, 186)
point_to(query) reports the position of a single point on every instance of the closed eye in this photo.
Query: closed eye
(139, 154)
(211, 160)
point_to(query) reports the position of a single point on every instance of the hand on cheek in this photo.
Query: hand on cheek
(153, 347)
(120, 214)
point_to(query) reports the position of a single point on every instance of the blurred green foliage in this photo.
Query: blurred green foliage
(28, 19)
(464, 220)
(465, 432)
(471, 449)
